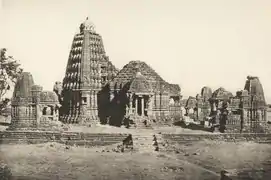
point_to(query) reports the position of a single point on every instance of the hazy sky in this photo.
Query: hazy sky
(192, 43)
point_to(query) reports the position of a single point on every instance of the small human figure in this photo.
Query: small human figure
(128, 141)
(145, 122)
(155, 143)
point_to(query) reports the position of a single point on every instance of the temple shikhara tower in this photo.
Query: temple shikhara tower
(88, 70)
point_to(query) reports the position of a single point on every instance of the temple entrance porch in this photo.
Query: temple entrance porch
(140, 105)
(138, 108)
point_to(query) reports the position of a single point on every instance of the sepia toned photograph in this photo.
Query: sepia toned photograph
(135, 90)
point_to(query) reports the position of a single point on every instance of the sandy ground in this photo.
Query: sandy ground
(202, 160)
(247, 159)
(46, 162)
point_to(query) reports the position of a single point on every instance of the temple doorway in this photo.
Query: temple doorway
(140, 104)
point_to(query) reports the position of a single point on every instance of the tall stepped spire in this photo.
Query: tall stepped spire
(88, 70)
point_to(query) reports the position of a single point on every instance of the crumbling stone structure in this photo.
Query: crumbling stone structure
(31, 107)
(244, 112)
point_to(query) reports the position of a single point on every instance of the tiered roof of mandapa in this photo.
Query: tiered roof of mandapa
(128, 74)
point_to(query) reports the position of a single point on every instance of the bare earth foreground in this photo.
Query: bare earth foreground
(201, 160)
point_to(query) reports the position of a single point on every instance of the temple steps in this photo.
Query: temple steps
(144, 142)
(190, 138)
(79, 139)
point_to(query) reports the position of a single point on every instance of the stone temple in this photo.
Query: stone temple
(87, 71)
(33, 108)
(244, 112)
(93, 89)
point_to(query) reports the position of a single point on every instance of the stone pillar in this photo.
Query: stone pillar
(38, 114)
(92, 99)
(16, 110)
(142, 106)
(136, 105)
(92, 94)
(265, 115)
(130, 103)
(29, 111)
(242, 123)
(96, 104)
(150, 105)
(53, 113)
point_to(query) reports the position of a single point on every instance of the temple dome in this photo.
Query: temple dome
(222, 94)
(48, 97)
(140, 84)
(128, 73)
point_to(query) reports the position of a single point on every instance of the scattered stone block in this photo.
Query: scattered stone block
(177, 152)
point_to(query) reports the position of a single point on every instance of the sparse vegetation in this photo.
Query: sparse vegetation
(9, 72)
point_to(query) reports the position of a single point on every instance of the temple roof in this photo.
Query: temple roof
(206, 92)
(23, 85)
(140, 84)
(242, 93)
(254, 87)
(222, 94)
(128, 72)
(48, 97)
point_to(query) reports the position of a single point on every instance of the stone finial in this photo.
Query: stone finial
(87, 25)
(252, 77)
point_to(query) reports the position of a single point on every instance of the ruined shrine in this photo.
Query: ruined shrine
(244, 112)
(31, 107)
(94, 90)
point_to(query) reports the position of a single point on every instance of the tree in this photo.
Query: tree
(9, 72)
